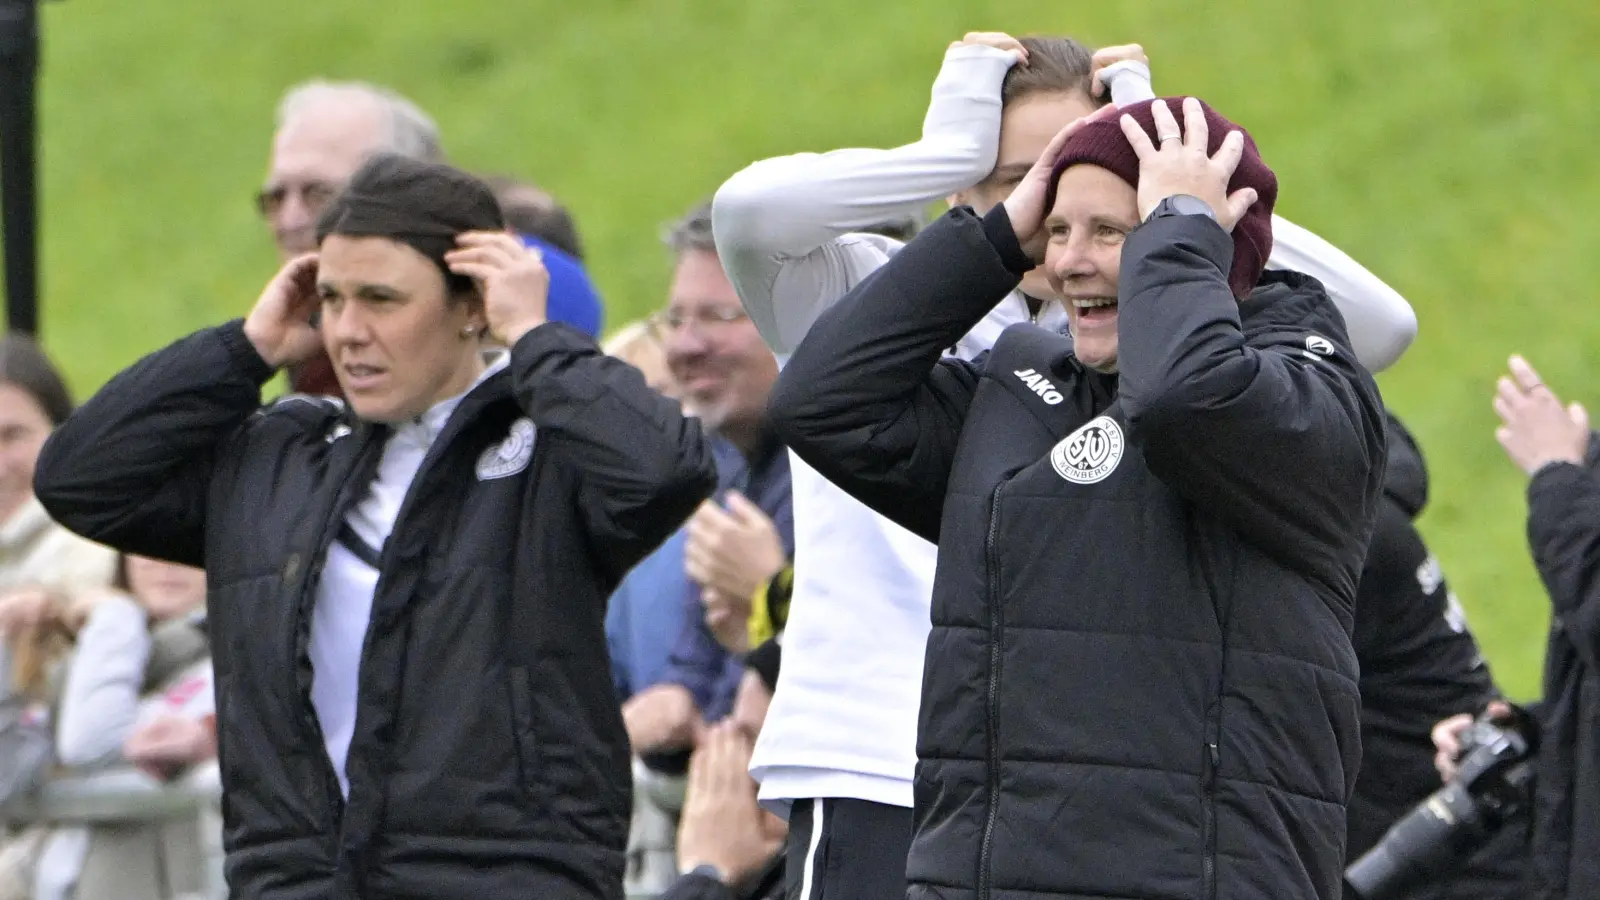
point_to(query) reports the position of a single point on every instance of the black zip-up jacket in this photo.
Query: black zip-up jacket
(489, 757)
(1140, 680)
(1419, 665)
(1564, 532)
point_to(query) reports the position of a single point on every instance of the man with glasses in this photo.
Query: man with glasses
(325, 130)
(696, 591)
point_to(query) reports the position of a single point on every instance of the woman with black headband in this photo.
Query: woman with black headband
(407, 589)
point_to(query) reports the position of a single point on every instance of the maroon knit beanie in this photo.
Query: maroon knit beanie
(1102, 143)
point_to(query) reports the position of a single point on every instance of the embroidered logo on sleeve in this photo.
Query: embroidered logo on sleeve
(511, 455)
(1089, 454)
(1318, 347)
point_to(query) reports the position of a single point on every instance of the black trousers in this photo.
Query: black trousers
(842, 849)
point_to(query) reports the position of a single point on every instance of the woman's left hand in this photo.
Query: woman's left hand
(1179, 163)
(512, 278)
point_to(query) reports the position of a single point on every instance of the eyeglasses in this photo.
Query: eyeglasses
(316, 195)
(713, 317)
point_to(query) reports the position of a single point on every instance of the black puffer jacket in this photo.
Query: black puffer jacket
(489, 757)
(1419, 665)
(1140, 680)
(1564, 530)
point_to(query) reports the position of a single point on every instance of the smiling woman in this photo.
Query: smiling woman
(407, 593)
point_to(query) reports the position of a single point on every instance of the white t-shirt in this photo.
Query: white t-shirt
(842, 722)
(343, 607)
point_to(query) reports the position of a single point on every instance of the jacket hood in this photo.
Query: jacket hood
(1406, 481)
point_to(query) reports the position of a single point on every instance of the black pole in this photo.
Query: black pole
(19, 66)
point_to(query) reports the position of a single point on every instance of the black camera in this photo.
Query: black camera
(1492, 785)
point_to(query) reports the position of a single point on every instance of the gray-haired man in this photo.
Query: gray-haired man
(325, 130)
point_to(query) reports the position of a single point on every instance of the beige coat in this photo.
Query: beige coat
(36, 551)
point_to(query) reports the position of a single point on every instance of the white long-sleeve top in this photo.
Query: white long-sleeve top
(843, 719)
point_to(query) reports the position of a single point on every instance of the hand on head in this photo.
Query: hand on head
(1179, 162)
(511, 277)
(1105, 58)
(279, 325)
(996, 39)
(1027, 204)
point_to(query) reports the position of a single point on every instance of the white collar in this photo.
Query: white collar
(425, 428)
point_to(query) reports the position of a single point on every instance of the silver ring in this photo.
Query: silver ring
(1171, 137)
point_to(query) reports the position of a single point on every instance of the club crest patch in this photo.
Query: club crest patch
(1089, 454)
(511, 455)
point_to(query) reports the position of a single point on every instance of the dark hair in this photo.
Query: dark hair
(693, 231)
(422, 204)
(530, 210)
(23, 363)
(1055, 65)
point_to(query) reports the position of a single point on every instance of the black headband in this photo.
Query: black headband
(423, 205)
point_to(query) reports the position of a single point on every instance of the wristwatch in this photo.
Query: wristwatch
(1183, 205)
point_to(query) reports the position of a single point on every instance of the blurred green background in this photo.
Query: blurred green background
(1448, 145)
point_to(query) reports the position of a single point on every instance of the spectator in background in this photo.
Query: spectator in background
(541, 222)
(48, 576)
(728, 847)
(640, 344)
(325, 131)
(746, 534)
(1554, 445)
(138, 690)
(532, 212)
(36, 553)
(1419, 664)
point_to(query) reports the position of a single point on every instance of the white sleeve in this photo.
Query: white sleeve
(774, 220)
(1381, 323)
(1129, 81)
(100, 701)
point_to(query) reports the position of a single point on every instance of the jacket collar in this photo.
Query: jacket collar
(491, 386)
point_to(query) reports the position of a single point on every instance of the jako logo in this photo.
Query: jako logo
(1040, 386)
(1318, 347)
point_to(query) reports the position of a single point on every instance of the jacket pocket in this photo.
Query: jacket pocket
(527, 742)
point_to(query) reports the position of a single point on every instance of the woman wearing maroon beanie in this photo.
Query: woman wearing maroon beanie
(1140, 680)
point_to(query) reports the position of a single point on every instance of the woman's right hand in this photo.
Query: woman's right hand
(996, 39)
(1105, 58)
(280, 324)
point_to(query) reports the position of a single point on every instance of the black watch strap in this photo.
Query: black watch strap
(1183, 205)
(707, 870)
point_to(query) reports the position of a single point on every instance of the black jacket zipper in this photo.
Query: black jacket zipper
(1208, 826)
(992, 699)
(1212, 763)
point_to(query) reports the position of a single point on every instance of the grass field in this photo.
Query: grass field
(1448, 145)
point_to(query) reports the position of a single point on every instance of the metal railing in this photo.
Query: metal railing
(129, 797)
